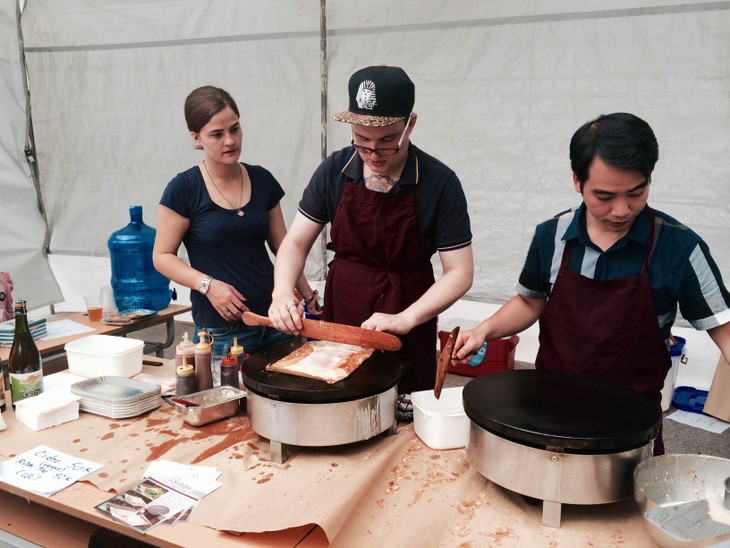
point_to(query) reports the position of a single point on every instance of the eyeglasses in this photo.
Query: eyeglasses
(386, 151)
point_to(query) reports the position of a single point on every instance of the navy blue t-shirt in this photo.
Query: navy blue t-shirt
(222, 244)
(441, 210)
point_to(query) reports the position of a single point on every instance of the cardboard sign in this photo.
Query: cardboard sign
(718, 399)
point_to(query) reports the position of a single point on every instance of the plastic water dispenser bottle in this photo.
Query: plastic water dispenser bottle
(136, 283)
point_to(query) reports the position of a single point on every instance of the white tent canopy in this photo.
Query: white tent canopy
(500, 88)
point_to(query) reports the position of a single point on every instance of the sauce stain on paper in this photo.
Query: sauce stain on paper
(156, 451)
(266, 477)
(502, 533)
(151, 423)
(229, 440)
(234, 430)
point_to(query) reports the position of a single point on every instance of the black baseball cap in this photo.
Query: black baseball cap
(379, 96)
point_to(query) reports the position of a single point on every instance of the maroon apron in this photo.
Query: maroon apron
(607, 329)
(380, 266)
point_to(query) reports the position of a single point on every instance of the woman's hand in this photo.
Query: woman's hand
(226, 300)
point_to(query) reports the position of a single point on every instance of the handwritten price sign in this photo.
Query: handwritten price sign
(45, 471)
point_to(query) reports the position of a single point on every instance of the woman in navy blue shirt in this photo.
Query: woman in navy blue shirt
(226, 213)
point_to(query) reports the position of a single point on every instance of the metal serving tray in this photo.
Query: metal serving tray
(212, 405)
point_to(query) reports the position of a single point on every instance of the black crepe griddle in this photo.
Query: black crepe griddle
(378, 373)
(560, 411)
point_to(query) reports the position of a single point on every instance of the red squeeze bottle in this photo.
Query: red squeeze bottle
(203, 357)
(185, 379)
(229, 370)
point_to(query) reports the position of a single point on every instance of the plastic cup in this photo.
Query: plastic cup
(93, 307)
(107, 301)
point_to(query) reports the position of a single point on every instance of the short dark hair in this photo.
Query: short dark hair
(621, 140)
(205, 102)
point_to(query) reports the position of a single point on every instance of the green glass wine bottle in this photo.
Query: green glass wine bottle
(24, 363)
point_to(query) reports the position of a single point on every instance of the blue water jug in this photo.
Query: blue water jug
(136, 283)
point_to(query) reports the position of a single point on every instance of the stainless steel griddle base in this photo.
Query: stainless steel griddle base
(288, 424)
(554, 477)
(280, 452)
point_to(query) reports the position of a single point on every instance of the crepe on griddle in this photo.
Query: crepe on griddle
(322, 360)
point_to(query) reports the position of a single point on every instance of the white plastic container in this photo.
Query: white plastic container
(440, 423)
(104, 355)
(678, 355)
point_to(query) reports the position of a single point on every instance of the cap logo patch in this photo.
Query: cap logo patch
(366, 95)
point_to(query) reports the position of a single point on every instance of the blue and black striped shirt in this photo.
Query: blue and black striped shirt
(682, 270)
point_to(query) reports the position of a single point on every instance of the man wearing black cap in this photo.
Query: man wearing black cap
(392, 206)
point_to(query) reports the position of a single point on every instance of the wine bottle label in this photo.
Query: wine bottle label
(25, 385)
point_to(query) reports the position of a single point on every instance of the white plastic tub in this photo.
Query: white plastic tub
(104, 355)
(442, 423)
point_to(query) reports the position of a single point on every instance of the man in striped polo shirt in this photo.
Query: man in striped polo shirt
(604, 279)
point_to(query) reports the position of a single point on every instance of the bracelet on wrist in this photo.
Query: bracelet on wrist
(311, 299)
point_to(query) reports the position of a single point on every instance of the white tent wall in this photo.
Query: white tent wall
(500, 88)
(22, 227)
(109, 80)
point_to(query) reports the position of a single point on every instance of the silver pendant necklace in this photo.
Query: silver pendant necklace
(240, 174)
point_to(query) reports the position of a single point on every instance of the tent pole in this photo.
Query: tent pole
(323, 116)
(30, 150)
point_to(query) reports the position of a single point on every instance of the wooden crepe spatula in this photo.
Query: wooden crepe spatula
(443, 364)
(335, 332)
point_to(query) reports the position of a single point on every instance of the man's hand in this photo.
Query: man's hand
(467, 344)
(286, 314)
(396, 324)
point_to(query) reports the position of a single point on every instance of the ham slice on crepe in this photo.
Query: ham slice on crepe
(323, 360)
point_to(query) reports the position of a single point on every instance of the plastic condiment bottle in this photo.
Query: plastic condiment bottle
(203, 357)
(229, 370)
(477, 358)
(237, 351)
(186, 349)
(186, 383)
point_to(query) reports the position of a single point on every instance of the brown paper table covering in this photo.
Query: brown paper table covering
(387, 491)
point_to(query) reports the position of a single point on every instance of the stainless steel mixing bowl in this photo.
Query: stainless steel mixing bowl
(685, 486)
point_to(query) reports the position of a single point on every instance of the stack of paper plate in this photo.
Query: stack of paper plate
(117, 397)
